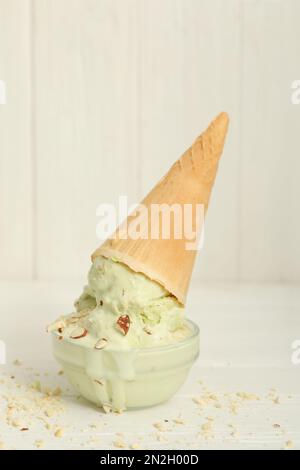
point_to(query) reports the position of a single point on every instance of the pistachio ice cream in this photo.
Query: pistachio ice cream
(120, 309)
(127, 344)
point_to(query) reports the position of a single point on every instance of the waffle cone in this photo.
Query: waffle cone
(189, 181)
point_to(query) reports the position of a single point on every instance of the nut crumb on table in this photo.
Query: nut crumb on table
(37, 410)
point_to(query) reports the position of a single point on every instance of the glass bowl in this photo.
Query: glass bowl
(136, 378)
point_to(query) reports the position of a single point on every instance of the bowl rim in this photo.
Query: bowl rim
(177, 344)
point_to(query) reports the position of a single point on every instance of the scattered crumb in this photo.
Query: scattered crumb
(160, 426)
(59, 432)
(179, 421)
(36, 386)
(39, 443)
(247, 396)
(135, 446)
(198, 401)
(207, 426)
(49, 412)
(107, 408)
(289, 445)
(119, 443)
(218, 405)
(233, 408)
(17, 362)
(160, 437)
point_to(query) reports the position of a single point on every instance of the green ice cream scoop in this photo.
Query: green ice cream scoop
(128, 344)
(117, 299)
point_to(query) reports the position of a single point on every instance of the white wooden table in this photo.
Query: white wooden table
(248, 398)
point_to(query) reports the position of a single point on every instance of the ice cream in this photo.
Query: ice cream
(128, 343)
(114, 292)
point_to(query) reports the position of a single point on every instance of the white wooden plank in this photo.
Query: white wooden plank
(86, 124)
(270, 227)
(190, 55)
(15, 142)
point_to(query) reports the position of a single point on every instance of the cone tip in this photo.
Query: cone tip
(222, 119)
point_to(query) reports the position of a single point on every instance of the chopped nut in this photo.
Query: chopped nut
(106, 407)
(72, 320)
(199, 401)
(56, 326)
(98, 382)
(161, 438)
(59, 432)
(159, 426)
(247, 396)
(206, 426)
(289, 445)
(39, 443)
(119, 443)
(233, 408)
(101, 343)
(123, 324)
(79, 332)
(16, 423)
(178, 421)
(135, 446)
(213, 397)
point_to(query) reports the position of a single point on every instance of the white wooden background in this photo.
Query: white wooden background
(103, 96)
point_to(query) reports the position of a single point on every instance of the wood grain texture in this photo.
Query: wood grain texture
(270, 228)
(189, 73)
(104, 95)
(15, 142)
(86, 100)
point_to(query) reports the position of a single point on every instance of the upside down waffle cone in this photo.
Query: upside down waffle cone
(189, 181)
